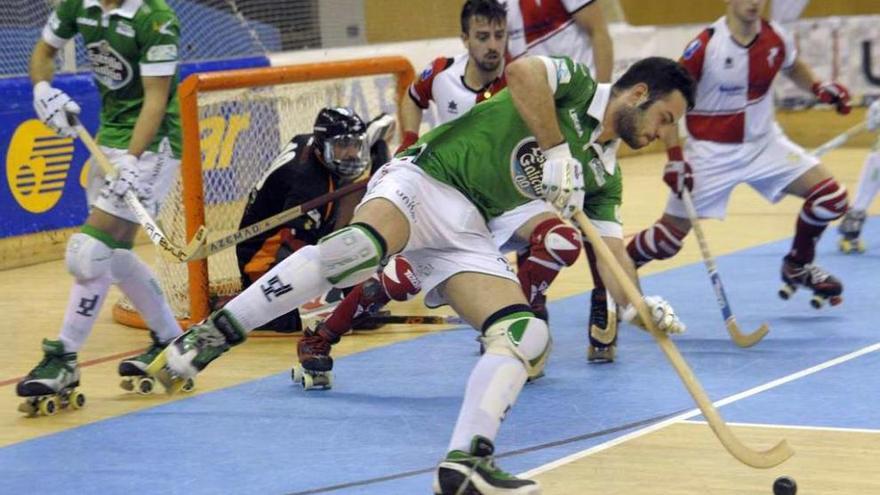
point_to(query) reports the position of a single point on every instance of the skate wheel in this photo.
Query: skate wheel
(296, 374)
(49, 406)
(28, 407)
(145, 385)
(307, 381)
(77, 399)
(844, 246)
(127, 384)
(188, 386)
(817, 302)
(835, 300)
(787, 291)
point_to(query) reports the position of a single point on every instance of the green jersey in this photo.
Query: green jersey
(139, 38)
(490, 155)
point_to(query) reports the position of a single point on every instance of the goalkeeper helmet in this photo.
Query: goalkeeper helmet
(339, 139)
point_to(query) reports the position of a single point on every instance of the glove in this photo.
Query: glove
(873, 118)
(664, 317)
(833, 93)
(409, 138)
(52, 106)
(678, 174)
(382, 127)
(126, 176)
(563, 180)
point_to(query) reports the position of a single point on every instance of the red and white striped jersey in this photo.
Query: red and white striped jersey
(733, 99)
(443, 82)
(546, 27)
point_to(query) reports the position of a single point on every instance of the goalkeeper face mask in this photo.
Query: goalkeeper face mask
(346, 155)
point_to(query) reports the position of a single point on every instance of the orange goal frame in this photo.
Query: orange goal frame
(191, 170)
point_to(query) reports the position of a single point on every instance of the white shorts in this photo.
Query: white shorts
(447, 233)
(768, 166)
(156, 171)
(504, 227)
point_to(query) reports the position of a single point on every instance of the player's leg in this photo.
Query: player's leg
(517, 344)
(660, 241)
(602, 323)
(851, 226)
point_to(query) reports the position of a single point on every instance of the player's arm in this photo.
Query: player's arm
(802, 75)
(156, 93)
(533, 96)
(410, 122)
(42, 65)
(51, 104)
(592, 20)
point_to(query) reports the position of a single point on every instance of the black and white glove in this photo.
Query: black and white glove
(126, 176)
(382, 127)
(52, 106)
(664, 316)
(873, 118)
(563, 180)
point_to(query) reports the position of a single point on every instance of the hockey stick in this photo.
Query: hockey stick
(757, 459)
(168, 249)
(739, 338)
(839, 140)
(415, 320)
(269, 223)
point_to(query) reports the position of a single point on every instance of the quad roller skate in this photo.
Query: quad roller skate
(850, 229)
(134, 371)
(825, 287)
(475, 473)
(314, 370)
(51, 385)
(603, 328)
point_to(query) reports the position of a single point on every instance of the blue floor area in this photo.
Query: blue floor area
(388, 419)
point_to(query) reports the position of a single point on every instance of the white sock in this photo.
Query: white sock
(492, 389)
(136, 281)
(285, 287)
(86, 300)
(869, 182)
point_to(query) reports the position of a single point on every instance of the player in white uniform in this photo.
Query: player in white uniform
(733, 139)
(576, 29)
(869, 184)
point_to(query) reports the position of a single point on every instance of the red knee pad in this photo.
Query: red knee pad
(826, 201)
(555, 241)
(399, 279)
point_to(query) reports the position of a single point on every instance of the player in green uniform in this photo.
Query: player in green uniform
(433, 202)
(133, 49)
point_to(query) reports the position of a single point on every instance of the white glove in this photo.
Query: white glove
(873, 118)
(563, 180)
(126, 175)
(382, 127)
(664, 317)
(52, 106)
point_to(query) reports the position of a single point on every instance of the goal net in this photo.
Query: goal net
(234, 124)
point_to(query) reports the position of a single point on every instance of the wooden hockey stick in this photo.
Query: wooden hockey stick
(415, 320)
(168, 249)
(839, 140)
(739, 338)
(270, 223)
(757, 459)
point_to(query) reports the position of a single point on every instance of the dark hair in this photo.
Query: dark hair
(661, 75)
(490, 9)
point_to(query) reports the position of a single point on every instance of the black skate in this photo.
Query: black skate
(825, 286)
(51, 385)
(134, 371)
(850, 229)
(315, 364)
(475, 473)
(603, 328)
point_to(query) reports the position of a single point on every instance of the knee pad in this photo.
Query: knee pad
(350, 255)
(86, 257)
(556, 242)
(523, 336)
(122, 264)
(399, 279)
(825, 202)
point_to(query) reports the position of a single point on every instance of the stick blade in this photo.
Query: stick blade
(743, 339)
(764, 459)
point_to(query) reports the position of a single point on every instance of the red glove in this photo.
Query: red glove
(678, 174)
(409, 138)
(834, 94)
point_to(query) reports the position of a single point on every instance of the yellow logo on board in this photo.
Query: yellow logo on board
(37, 163)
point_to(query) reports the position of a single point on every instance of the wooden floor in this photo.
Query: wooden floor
(683, 458)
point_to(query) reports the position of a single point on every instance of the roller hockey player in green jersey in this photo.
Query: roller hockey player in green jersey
(132, 47)
(432, 203)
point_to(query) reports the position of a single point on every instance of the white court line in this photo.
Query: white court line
(793, 427)
(696, 412)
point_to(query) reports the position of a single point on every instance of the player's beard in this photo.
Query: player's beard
(488, 65)
(627, 124)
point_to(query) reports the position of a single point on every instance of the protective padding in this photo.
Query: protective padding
(349, 256)
(123, 263)
(825, 202)
(525, 338)
(87, 258)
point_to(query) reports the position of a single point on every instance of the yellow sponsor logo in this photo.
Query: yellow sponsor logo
(37, 163)
(218, 139)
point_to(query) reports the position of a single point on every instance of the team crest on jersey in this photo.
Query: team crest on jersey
(426, 73)
(526, 162)
(598, 170)
(691, 49)
(110, 68)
